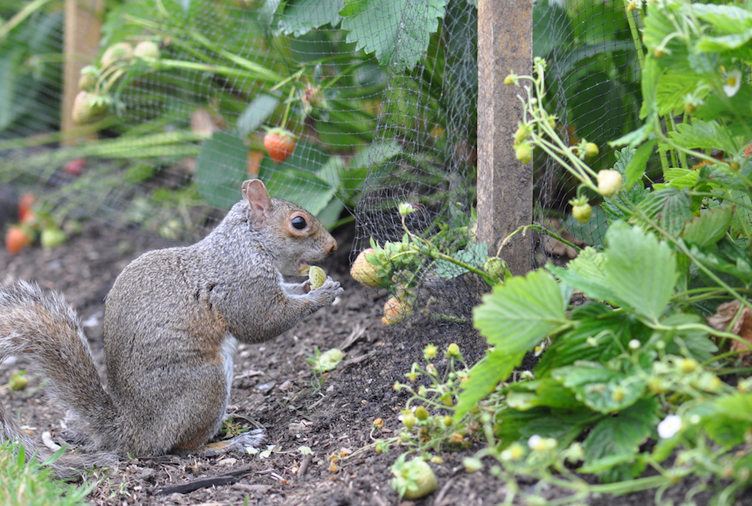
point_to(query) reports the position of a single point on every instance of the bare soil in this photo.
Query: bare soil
(274, 388)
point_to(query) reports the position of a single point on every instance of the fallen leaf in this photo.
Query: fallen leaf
(742, 327)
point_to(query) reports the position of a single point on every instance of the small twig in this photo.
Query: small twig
(222, 479)
(304, 465)
(357, 360)
(356, 334)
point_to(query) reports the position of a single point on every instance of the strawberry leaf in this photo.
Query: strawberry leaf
(302, 16)
(397, 31)
(619, 437)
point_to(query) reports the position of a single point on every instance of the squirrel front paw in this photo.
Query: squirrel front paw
(326, 293)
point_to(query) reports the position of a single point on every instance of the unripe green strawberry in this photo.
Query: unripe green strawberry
(396, 311)
(88, 107)
(88, 78)
(453, 350)
(524, 152)
(522, 134)
(591, 149)
(582, 212)
(413, 479)
(421, 413)
(316, 277)
(146, 49)
(327, 361)
(495, 268)
(409, 420)
(609, 182)
(52, 236)
(18, 381)
(280, 144)
(363, 272)
(472, 464)
(117, 52)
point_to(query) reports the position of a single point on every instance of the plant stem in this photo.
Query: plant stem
(635, 36)
(21, 16)
(536, 227)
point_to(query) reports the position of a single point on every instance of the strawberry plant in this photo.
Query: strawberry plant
(659, 352)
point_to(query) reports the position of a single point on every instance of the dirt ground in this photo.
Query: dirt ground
(274, 387)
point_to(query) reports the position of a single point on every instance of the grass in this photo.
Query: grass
(29, 483)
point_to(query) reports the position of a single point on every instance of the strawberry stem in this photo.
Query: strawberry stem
(287, 108)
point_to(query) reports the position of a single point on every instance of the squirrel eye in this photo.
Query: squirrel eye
(299, 223)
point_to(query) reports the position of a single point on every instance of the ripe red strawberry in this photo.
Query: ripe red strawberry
(24, 206)
(75, 167)
(16, 239)
(280, 144)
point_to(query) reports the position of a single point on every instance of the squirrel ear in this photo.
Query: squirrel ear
(255, 193)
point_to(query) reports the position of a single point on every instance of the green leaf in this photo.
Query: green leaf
(518, 314)
(546, 392)
(256, 113)
(726, 419)
(620, 435)
(375, 154)
(514, 318)
(710, 227)
(599, 334)
(674, 87)
(474, 255)
(680, 178)
(724, 42)
(640, 269)
(267, 10)
(483, 378)
(591, 233)
(303, 16)
(703, 135)
(724, 18)
(558, 28)
(586, 273)
(563, 425)
(221, 169)
(693, 340)
(676, 212)
(660, 33)
(639, 162)
(601, 389)
(720, 261)
(397, 31)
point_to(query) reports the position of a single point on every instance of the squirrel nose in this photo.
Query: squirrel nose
(332, 247)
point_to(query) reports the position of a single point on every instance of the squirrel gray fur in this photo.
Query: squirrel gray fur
(171, 325)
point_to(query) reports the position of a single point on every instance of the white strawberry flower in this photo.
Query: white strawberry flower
(669, 426)
(732, 82)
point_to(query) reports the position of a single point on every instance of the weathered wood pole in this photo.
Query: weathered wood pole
(505, 186)
(83, 29)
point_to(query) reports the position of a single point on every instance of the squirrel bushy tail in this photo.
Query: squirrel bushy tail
(43, 327)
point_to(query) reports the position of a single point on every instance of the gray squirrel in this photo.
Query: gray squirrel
(171, 325)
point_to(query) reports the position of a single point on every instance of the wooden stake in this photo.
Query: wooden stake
(505, 186)
(83, 23)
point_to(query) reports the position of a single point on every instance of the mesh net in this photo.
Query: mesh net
(380, 96)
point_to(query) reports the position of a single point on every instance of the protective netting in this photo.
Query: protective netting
(381, 96)
(593, 82)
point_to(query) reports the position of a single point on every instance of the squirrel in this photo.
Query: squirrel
(171, 325)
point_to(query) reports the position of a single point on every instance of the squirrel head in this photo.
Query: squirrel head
(293, 236)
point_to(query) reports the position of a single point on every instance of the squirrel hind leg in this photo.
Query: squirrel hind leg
(243, 443)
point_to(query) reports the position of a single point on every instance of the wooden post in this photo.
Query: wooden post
(505, 186)
(83, 23)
